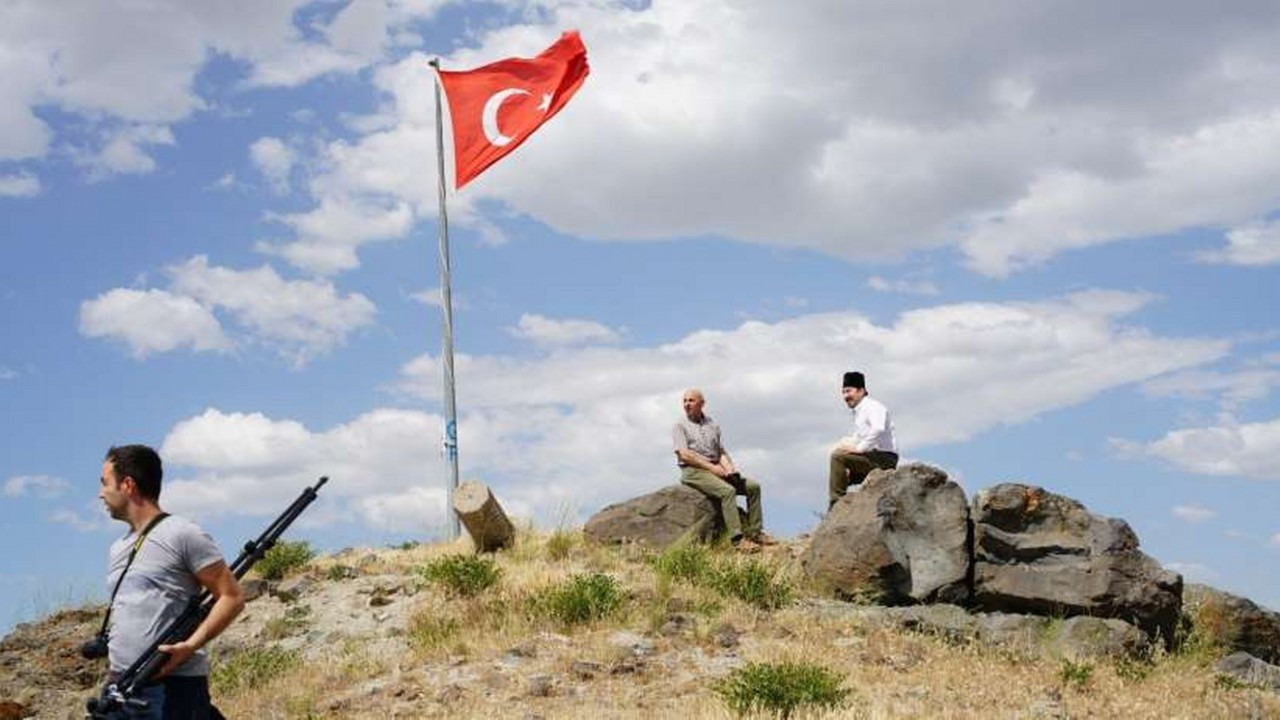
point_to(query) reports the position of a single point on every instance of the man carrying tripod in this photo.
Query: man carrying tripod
(156, 569)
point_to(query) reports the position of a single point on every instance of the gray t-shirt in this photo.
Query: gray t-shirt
(702, 438)
(159, 584)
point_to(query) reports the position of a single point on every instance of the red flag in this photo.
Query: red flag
(496, 107)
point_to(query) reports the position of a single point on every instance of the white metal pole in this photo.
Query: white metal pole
(446, 298)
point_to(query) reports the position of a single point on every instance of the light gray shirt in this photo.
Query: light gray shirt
(702, 438)
(156, 589)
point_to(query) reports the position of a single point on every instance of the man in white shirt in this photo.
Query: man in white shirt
(871, 445)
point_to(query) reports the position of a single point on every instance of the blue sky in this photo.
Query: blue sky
(1048, 234)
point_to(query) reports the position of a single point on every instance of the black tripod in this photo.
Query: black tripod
(121, 693)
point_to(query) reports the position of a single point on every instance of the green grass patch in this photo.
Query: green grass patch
(251, 669)
(583, 599)
(752, 581)
(429, 630)
(780, 689)
(283, 558)
(560, 544)
(465, 575)
(294, 621)
(1075, 674)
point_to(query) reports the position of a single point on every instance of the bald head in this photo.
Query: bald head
(693, 402)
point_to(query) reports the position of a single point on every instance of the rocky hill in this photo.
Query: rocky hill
(560, 628)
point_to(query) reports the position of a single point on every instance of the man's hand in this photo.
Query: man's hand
(178, 653)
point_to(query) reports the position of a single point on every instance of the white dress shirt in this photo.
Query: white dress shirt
(872, 428)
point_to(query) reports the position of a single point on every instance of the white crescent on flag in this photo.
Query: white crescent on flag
(489, 118)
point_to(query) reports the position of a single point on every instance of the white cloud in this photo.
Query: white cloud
(1275, 541)
(299, 319)
(384, 465)
(434, 298)
(904, 286)
(328, 236)
(1013, 132)
(87, 522)
(111, 63)
(1252, 245)
(151, 321)
(587, 425)
(43, 486)
(1194, 513)
(1247, 450)
(1232, 388)
(123, 151)
(19, 185)
(548, 332)
(275, 160)
(226, 182)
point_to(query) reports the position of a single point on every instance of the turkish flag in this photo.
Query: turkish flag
(496, 107)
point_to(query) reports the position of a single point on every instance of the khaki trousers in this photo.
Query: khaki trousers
(725, 495)
(851, 468)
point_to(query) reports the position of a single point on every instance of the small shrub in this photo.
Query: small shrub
(465, 575)
(251, 669)
(1077, 674)
(283, 558)
(406, 545)
(1132, 669)
(428, 631)
(1227, 682)
(688, 562)
(582, 599)
(781, 688)
(754, 583)
(338, 573)
(293, 622)
(560, 544)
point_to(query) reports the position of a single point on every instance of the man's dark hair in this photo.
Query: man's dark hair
(854, 379)
(140, 463)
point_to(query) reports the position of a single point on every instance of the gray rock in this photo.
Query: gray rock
(1249, 670)
(540, 685)
(253, 588)
(1042, 553)
(902, 538)
(658, 519)
(586, 669)
(1235, 621)
(1088, 638)
(290, 589)
(631, 643)
(949, 622)
(1012, 631)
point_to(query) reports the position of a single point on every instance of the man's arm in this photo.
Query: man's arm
(689, 457)
(228, 602)
(726, 463)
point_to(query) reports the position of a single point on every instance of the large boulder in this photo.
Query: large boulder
(1038, 552)
(903, 537)
(659, 519)
(1235, 622)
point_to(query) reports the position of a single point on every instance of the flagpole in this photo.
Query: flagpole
(446, 298)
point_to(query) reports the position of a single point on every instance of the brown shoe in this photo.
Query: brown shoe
(765, 539)
(746, 545)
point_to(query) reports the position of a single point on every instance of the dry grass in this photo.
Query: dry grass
(491, 656)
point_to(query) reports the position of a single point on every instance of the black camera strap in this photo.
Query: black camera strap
(137, 545)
